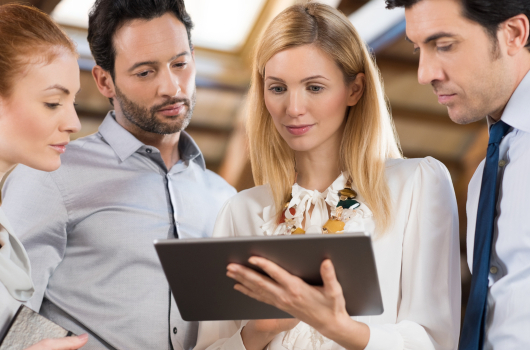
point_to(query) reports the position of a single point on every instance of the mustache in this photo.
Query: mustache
(170, 102)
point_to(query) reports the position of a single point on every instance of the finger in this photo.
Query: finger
(332, 286)
(241, 288)
(68, 343)
(254, 281)
(277, 273)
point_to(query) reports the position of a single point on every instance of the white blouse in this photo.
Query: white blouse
(15, 272)
(418, 261)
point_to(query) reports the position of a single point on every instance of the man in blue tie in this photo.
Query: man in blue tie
(476, 56)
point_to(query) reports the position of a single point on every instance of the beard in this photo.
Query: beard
(146, 119)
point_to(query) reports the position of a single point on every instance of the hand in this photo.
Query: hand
(67, 343)
(258, 333)
(323, 308)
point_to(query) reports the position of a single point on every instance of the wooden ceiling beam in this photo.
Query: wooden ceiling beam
(350, 6)
(45, 5)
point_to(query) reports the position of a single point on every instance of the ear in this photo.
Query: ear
(515, 32)
(104, 82)
(356, 89)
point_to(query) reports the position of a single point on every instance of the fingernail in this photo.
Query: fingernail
(253, 261)
(83, 336)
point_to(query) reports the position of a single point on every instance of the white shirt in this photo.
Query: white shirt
(417, 261)
(15, 272)
(508, 315)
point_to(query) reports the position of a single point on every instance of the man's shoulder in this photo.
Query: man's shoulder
(217, 184)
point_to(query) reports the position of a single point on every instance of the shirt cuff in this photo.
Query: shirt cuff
(384, 337)
(235, 342)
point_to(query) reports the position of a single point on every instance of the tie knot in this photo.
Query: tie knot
(497, 131)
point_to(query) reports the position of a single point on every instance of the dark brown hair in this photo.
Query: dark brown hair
(108, 16)
(488, 13)
(27, 34)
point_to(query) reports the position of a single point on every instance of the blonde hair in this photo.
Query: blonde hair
(368, 138)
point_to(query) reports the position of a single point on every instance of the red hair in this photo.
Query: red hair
(26, 34)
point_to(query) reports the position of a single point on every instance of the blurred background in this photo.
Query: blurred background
(224, 36)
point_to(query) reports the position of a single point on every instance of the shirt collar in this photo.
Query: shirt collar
(125, 144)
(517, 113)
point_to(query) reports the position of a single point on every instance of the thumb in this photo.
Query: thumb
(331, 284)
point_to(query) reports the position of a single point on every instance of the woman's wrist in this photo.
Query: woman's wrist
(255, 340)
(348, 333)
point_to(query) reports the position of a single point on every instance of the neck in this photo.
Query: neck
(5, 167)
(166, 144)
(318, 168)
(523, 68)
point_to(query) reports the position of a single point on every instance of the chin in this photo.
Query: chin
(300, 145)
(48, 165)
(463, 117)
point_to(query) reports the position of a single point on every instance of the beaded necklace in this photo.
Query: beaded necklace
(338, 218)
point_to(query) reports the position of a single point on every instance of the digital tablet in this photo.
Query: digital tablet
(196, 272)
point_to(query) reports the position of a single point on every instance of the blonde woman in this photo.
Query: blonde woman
(318, 125)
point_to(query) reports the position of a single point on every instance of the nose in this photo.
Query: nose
(429, 69)
(169, 84)
(71, 123)
(296, 106)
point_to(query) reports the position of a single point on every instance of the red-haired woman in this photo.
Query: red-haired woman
(39, 78)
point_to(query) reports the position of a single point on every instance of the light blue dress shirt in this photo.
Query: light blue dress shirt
(508, 309)
(89, 229)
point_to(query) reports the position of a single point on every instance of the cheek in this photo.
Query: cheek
(33, 125)
(330, 110)
(275, 107)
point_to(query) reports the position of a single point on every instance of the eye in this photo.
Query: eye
(277, 89)
(52, 105)
(444, 48)
(180, 64)
(142, 74)
(315, 88)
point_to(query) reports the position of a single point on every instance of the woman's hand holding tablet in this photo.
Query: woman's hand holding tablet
(324, 308)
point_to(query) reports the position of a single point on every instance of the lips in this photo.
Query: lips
(172, 110)
(298, 129)
(59, 147)
(445, 98)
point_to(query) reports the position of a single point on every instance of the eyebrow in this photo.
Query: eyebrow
(152, 63)
(434, 37)
(302, 81)
(58, 87)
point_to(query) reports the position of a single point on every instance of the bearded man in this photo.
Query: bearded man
(89, 227)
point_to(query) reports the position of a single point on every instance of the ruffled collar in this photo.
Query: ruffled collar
(302, 200)
(15, 270)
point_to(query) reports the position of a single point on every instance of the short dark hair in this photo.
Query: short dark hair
(488, 13)
(107, 16)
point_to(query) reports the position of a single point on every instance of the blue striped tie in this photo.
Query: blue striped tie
(475, 320)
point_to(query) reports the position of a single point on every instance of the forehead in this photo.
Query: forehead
(61, 70)
(428, 17)
(139, 39)
(300, 61)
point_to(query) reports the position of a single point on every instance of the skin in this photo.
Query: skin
(471, 74)
(305, 87)
(154, 66)
(39, 113)
(35, 118)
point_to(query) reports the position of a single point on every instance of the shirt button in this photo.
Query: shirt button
(148, 150)
(502, 162)
(493, 270)
(174, 330)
